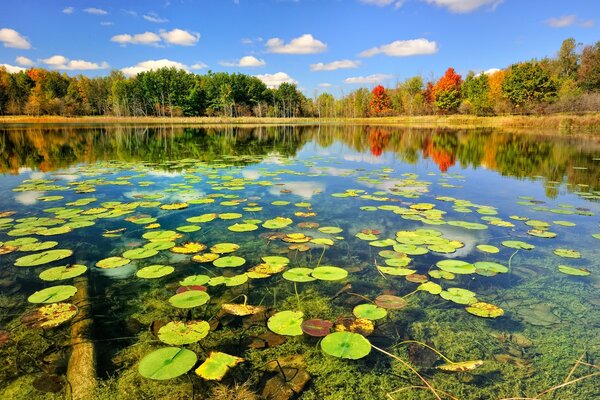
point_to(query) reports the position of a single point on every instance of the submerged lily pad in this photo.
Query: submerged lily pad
(167, 363)
(189, 299)
(287, 323)
(460, 366)
(346, 345)
(390, 302)
(317, 327)
(50, 316)
(216, 366)
(52, 294)
(242, 309)
(178, 333)
(45, 257)
(64, 272)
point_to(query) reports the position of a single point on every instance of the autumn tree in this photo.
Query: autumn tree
(527, 84)
(476, 94)
(588, 75)
(380, 103)
(446, 92)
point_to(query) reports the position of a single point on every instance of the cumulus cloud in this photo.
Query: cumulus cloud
(305, 44)
(246, 61)
(383, 3)
(275, 80)
(465, 6)
(332, 66)
(199, 65)
(24, 61)
(95, 11)
(11, 38)
(148, 65)
(180, 37)
(63, 63)
(68, 10)
(568, 20)
(403, 48)
(370, 79)
(146, 38)
(12, 68)
(153, 17)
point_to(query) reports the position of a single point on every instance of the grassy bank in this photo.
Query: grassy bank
(556, 123)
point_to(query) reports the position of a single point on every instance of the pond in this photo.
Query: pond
(310, 262)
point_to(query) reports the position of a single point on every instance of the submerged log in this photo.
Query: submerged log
(81, 371)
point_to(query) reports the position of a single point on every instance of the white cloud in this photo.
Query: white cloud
(274, 80)
(68, 10)
(332, 66)
(589, 23)
(246, 61)
(403, 48)
(180, 37)
(95, 11)
(465, 6)
(375, 78)
(561, 22)
(199, 65)
(24, 61)
(107, 23)
(305, 44)
(12, 38)
(383, 3)
(153, 17)
(146, 38)
(148, 65)
(325, 85)
(12, 68)
(491, 71)
(63, 63)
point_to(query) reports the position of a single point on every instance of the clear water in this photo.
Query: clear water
(375, 180)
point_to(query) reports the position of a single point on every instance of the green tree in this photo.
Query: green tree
(527, 84)
(476, 94)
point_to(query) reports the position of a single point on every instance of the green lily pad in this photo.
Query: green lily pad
(243, 227)
(229, 262)
(161, 236)
(438, 274)
(155, 271)
(565, 269)
(395, 271)
(276, 260)
(567, 253)
(459, 296)
(330, 229)
(217, 365)
(167, 363)
(223, 248)
(228, 216)
(485, 310)
(38, 246)
(64, 272)
(195, 280)
(346, 345)
(541, 233)
(189, 299)
(383, 243)
(329, 273)
(188, 228)
(287, 323)
(517, 244)
(390, 302)
(488, 248)
(158, 246)
(468, 225)
(298, 275)
(112, 262)
(202, 218)
(45, 257)
(456, 266)
(52, 294)
(430, 287)
(178, 333)
(277, 223)
(486, 268)
(138, 254)
(369, 311)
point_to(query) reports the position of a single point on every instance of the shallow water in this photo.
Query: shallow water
(101, 189)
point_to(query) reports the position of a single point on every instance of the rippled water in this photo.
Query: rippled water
(527, 306)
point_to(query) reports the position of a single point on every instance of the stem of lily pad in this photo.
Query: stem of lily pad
(209, 271)
(510, 259)
(362, 297)
(297, 297)
(410, 294)
(429, 347)
(407, 365)
(320, 258)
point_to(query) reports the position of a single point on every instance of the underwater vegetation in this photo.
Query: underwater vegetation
(297, 272)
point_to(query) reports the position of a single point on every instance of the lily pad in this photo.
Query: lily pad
(229, 262)
(52, 294)
(317, 327)
(205, 258)
(154, 272)
(460, 366)
(189, 299)
(369, 311)
(112, 262)
(188, 248)
(329, 273)
(565, 269)
(390, 302)
(346, 345)
(216, 366)
(287, 323)
(277, 223)
(45, 257)
(488, 248)
(178, 333)
(223, 248)
(138, 254)
(243, 227)
(167, 363)
(485, 310)
(458, 296)
(430, 287)
(50, 316)
(486, 268)
(456, 266)
(517, 244)
(567, 253)
(299, 275)
(195, 280)
(242, 309)
(64, 272)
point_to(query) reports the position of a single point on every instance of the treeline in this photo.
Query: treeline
(568, 82)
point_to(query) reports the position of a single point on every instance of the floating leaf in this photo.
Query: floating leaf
(52, 294)
(322, 241)
(330, 229)
(205, 258)
(383, 243)
(64, 272)
(299, 275)
(317, 327)
(287, 323)
(112, 262)
(229, 262)
(178, 333)
(488, 268)
(567, 253)
(459, 296)
(565, 269)
(485, 310)
(456, 266)
(50, 316)
(369, 311)
(488, 248)
(159, 245)
(188, 228)
(346, 345)
(195, 280)
(430, 287)
(517, 244)
(468, 225)
(242, 309)
(216, 366)
(138, 254)
(329, 273)
(167, 363)
(394, 271)
(362, 326)
(174, 206)
(189, 299)
(155, 271)
(42, 258)
(277, 223)
(202, 218)
(223, 248)
(188, 248)
(243, 227)
(38, 246)
(390, 302)
(161, 236)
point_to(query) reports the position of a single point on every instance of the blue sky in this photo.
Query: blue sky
(332, 45)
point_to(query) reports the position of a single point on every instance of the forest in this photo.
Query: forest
(567, 82)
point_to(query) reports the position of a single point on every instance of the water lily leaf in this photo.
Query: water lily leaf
(229, 262)
(596, 236)
(398, 261)
(243, 227)
(485, 310)
(159, 245)
(437, 274)
(369, 311)
(460, 366)
(188, 228)
(456, 266)
(468, 225)
(242, 309)
(162, 236)
(366, 236)
(223, 248)
(38, 246)
(50, 316)
(205, 258)
(383, 243)
(317, 327)
(202, 218)
(329, 273)
(488, 248)
(112, 262)
(430, 287)
(410, 249)
(167, 363)
(488, 268)
(217, 365)
(189, 299)
(52, 294)
(346, 345)
(541, 233)
(228, 216)
(140, 253)
(322, 241)
(565, 269)
(64, 272)
(287, 323)
(390, 302)
(299, 275)
(459, 296)
(277, 223)
(394, 271)
(174, 206)
(59, 230)
(178, 333)
(45, 257)
(154, 272)
(330, 229)
(567, 253)
(188, 248)
(231, 281)
(517, 244)
(195, 280)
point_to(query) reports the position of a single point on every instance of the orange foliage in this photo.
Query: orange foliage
(378, 141)
(381, 101)
(495, 80)
(450, 81)
(442, 157)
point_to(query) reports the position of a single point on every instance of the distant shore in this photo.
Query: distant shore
(556, 123)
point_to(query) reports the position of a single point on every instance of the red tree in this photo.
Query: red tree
(380, 103)
(450, 81)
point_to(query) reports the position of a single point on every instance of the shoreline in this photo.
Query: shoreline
(587, 124)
